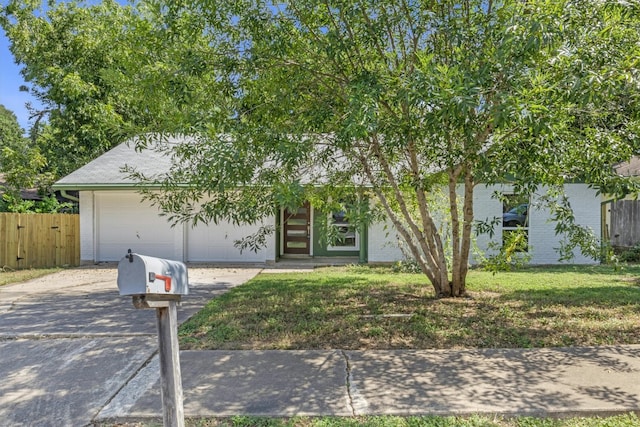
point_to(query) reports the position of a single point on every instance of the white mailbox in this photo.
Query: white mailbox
(146, 275)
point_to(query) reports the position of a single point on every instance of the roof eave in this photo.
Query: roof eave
(93, 186)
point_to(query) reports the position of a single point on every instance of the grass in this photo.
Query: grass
(363, 308)
(8, 276)
(627, 420)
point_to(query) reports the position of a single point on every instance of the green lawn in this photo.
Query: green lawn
(374, 308)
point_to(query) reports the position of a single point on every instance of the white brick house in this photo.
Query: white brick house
(113, 218)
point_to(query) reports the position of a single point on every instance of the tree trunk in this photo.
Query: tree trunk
(417, 229)
(456, 260)
(467, 229)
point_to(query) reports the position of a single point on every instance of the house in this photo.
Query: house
(113, 218)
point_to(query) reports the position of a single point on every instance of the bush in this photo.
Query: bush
(49, 204)
(406, 266)
(630, 255)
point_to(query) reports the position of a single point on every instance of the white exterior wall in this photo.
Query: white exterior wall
(87, 236)
(543, 240)
(486, 208)
(215, 243)
(382, 243)
(113, 221)
(123, 221)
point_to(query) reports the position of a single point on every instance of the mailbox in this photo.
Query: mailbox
(146, 275)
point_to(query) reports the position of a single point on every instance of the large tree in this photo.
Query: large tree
(390, 101)
(10, 131)
(319, 99)
(99, 72)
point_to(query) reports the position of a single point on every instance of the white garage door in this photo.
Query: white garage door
(122, 223)
(215, 243)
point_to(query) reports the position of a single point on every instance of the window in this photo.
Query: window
(342, 236)
(515, 222)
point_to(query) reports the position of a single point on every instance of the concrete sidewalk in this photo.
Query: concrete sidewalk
(541, 382)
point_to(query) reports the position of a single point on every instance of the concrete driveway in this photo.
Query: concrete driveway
(69, 342)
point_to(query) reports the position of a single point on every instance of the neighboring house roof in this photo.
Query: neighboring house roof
(106, 172)
(25, 194)
(630, 168)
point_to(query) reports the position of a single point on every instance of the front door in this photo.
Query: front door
(297, 231)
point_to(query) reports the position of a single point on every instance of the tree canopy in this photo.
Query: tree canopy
(19, 160)
(100, 72)
(322, 99)
(10, 130)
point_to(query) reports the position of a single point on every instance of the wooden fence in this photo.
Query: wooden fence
(39, 240)
(625, 223)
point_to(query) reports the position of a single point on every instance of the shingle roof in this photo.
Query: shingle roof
(107, 170)
(25, 193)
(630, 168)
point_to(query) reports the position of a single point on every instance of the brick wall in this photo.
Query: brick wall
(542, 237)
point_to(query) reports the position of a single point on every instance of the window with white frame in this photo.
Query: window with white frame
(343, 236)
(515, 222)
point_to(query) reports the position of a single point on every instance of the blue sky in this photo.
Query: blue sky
(10, 82)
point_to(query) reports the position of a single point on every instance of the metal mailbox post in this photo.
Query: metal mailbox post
(159, 283)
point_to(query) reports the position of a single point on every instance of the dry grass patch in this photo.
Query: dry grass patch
(8, 275)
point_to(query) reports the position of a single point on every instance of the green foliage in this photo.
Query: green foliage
(630, 255)
(11, 134)
(256, 241)
(512, 252)
(574, 234)
(63, 49)
(624, 420)
(22, 167)
(406, 266)
(19, 160)
(102, 73)
(49, 204)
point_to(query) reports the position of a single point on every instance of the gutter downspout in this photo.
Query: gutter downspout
(64, 194)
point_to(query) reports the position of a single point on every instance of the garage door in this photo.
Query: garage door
(215, 242)
(122, 223)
